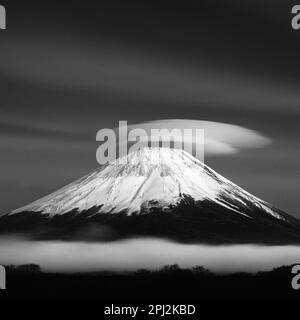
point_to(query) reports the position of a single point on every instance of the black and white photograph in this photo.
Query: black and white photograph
(149, 151)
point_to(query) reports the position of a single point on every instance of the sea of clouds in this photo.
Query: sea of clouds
(126, 255)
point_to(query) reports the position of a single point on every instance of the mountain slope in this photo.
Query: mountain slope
(157, 192)
(157, 175)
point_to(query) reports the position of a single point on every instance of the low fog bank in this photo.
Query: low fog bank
(127, 255)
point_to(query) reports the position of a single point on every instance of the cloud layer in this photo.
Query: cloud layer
(143, 253)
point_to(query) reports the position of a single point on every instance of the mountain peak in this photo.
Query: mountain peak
(144, 161)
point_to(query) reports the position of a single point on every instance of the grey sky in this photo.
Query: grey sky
(66, 72)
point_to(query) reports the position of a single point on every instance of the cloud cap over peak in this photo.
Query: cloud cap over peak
(219, 138)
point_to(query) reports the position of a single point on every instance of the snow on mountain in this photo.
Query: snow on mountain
(151, 177)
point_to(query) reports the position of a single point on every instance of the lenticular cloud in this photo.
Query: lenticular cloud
(219, 138)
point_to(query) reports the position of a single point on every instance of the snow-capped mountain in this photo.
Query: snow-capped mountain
(150, 177)
(155, 192)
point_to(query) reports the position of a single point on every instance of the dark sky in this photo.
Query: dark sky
(68, 69)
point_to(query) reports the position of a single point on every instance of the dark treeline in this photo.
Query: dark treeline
(170, 282)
